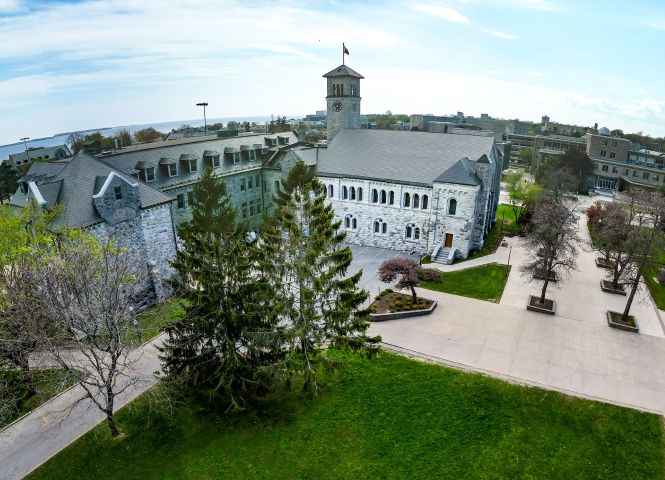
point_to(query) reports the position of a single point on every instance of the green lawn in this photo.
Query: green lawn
(485, 282)
(389, 417)
(657, 290)
(505, 224)
(151, 322)
(49, 383)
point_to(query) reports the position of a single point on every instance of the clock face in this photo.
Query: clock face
(337, 106)
(355, 107)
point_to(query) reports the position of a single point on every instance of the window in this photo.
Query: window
(173, 170)
(252, 155)
(243, 184)
(277, 189)
(117, 193)
(634, 173)
(384, 197)
(264, 150)
(425, 201)
(353, 193)
(391, 198)
(407, 200)
(603, 153)
(257, 181)
(331, 191)
(252, 211)
(350, 222)
(375, 195)
(625, 171)
(604, 168)
(244, 210)
(645, 175)
(190, 198)
(613, 155)
(354, 223)
(615, 143)
(656, 178)
(236, 157)
(416, 200)
(614, 170)
(250, 183)
(215, 161)
(452, 207)
(181, 201)
(595, 166)
(380, 226)
(193, 166)
(416, 233)
(360, 194)
(345, 192)
(412, 232)
(147, 174)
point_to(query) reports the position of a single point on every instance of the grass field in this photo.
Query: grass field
(151, 322)
(389, 417)
(505, 224)
(485, 282)
(48, 382)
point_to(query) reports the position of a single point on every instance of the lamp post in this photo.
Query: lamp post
(25, 144)
(205, 122)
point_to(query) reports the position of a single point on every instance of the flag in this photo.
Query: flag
(346, 50)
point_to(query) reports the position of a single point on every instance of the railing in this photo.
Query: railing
(451, 255)
(435, 252)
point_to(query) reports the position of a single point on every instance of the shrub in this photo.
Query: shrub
(429, 275)
(386, 291)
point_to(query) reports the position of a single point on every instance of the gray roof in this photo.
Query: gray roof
(74, 185)
(404, 157)
(126, 161)
(42, 152)
(343, 71)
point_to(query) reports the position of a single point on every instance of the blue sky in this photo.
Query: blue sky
(77, 65)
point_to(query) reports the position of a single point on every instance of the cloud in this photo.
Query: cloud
(501, 35)
(444, 12)
(657, 24)
(542, 5)
(10, 6)
(535, 74)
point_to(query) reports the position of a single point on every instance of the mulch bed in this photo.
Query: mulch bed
(615, 320)
(604, 263)
(397, 302)
(606, 286)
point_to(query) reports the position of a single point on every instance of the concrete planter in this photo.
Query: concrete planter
(540, 309)
(606, 287)
(382, 317)
(602, 263)
(612, 322)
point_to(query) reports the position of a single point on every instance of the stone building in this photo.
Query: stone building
(22, 159)
(409, 191)
(109, 204)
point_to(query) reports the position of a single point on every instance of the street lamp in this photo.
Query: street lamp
(25, 144)
(205, 123)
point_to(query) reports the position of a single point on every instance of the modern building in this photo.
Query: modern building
(518, 143)
(545, 146)
(20, 160)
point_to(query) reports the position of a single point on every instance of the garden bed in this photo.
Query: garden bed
(604, 263)
(391, 305)
(607, 287)
(534, 305)
(614, 320)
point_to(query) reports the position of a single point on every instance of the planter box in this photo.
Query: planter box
(606, 287)
(613, 321)
(382, 317)
(602, 263)
(541, 276)
(540, 309)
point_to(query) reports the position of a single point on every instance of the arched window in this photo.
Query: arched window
(345, 192)
(353, 193)
(384, 199)
(331, 191)
(347, 221)
(360, 194)
(409, 231)
(380, 226)
(407, 200)
(277, 189)
(416, 233)
(452, 207)
(412, 232)
(375, 196)
(425, 201)
(350, 222)
(354, 223)
(416, 200)
(391, 198)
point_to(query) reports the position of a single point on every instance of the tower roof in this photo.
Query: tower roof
(343, 71)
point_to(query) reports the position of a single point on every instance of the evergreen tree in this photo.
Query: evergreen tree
(224, 336)
(8, 181)
(305, 262)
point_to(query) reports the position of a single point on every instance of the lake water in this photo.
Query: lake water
(6, 150)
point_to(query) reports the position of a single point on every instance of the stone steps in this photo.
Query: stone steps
(442, 256)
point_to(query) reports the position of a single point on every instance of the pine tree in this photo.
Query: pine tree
(305, 263)
(224, 336)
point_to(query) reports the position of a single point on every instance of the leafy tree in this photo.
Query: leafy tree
(305, 262)
(578, 164)
(75, 142)
(125, 137)
(227, 333)
(404, 269)
(555, 179)
(148, 135)
(525, 155)
(551, 242)
(8, 182)
(278, 125)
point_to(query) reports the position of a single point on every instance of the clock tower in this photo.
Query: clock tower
(343, 99)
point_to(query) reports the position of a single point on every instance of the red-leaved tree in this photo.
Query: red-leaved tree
(404, 270)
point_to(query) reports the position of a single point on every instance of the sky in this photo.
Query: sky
(78, 65)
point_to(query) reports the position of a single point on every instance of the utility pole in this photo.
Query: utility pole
(205, 122)
(25, 144)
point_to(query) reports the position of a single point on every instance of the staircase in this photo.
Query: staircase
(442, 256)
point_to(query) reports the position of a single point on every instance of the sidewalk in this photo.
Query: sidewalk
(45, 431)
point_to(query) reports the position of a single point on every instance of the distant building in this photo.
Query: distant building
(518, 143)
(545, 146)
(21, 159)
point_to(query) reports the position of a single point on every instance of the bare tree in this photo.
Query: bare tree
(404, 269)
(645, 237)
(551, 240)
(88, 291)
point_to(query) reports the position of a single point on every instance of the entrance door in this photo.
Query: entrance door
(449, 240)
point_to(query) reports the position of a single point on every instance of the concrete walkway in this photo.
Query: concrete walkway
(586, 359)
(45, 431)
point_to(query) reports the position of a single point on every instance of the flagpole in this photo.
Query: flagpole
(342, 53)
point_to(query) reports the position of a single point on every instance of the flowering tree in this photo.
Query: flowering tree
(404, 270)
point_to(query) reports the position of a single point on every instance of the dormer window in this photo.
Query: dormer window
(252, 155)
(264, 150)
(150, 174)
(215, 161)
(273, 141)
(117, 193)
(173, 170)
(193, 166)
(236, 158)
